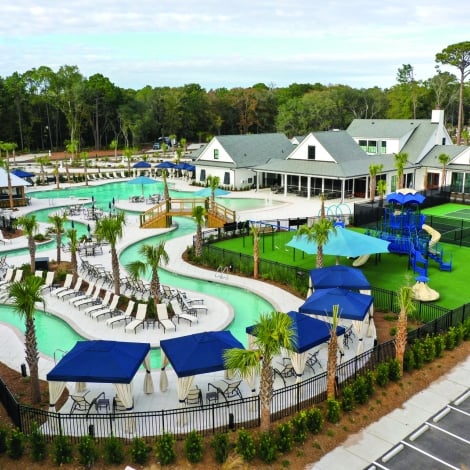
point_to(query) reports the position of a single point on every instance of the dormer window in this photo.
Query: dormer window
(216, 154)
(311, 152)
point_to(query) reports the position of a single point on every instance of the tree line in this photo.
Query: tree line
(43, 109)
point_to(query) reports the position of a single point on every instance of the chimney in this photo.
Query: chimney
(437, 116)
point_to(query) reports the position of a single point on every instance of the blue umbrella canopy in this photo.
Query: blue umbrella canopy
(142, 164)
(207, 192)
(199, 353)
(339, 276)
(342, 243)
(165, 165)
(23, 174)
(142, 180)
(308, 332)
(352, 305)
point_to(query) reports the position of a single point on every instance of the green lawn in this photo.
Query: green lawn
(389, 272)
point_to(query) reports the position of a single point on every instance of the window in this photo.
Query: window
(216, 154)
(363, 145)
(372, 146)
(383, 146)
(202, 176)
(226, 177)
(311, 152)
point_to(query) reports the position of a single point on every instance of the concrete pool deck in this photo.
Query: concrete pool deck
(360, 449)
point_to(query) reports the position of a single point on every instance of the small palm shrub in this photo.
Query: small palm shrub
(314, 420)
(299, 426)
(139, 451)
(113, 450)
(62, 450)
(394, 370)
(285, 440)
(347, 402)
(165, 449)
(87, 451)
(267, 450)
(221, 445)
(37, 443)
(15, 444)
(382, 374)
(333, 411)
(246, 446)
(193, 447)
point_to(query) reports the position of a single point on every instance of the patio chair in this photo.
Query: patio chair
(49, 281)
(347, 336)
(80, 403)
(193, 308)
(139, 319)
(67, 284)
(169, 293)
(94, 298)
(16, 278)
(72, 291)
(126, 316)
(189, 300)
(99, 304)
(227, 389)
(107, 310)
(312, 360)
(8, 276)
(285, 370)
(194, 397)
(39, 273)
(86, 295)
(164, 319)
(178, 311)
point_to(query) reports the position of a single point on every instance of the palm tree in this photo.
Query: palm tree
(30, 227)
(73, 243)
(213, 182)
(42, 162)
(374, 169)
(400, 161)
(57, 221)
(84, 157)
(255, 232)
(405, 303)
(152, 257)
(199, 215)
(56, 174)
(272, 333)
(128, 153)
(166, 191)
(319, 232)
(5, 164)
(332, 354)
(114, 146)
(23, 296)
(381, 190)
(111, 229)
(444, 159)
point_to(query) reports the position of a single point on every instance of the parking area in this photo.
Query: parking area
(441, 442)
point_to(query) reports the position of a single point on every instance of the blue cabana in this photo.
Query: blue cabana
(195, 354)
(308, 333)
(142, 164)
(101, 361)
(338, 275)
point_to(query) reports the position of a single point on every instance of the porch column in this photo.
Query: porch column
(342, 190)
(309, 184)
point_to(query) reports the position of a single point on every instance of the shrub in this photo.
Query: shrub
(439, 345)
(360, 390)
(139, 450)
(62, 450)
(37, 444)
(15, 444)
(267, 450)
(466, 329)
(459, 334)
(165, 449)
(299, 426)
(193, 447)
(408, 360)
(333, 412)
(382, 374)
(3, 438)
(246, 446)
(113, 450)
(221, 445)
(314, 420)
(347, 402)
(390, 317)
(418, 354)
(285, 440)
(429, 348)
(87, 452)
(393, 331)
(449, 339)
(370, 382)
(394, 370)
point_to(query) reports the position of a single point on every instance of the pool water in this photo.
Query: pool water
(122, 190)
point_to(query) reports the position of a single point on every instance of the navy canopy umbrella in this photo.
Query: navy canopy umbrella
(338, 276)
(142, 164)
(165, 165)
(23, 174)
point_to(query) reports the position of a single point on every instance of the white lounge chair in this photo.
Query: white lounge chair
(163, 319)
(39, 273)
(8, 276)
(106, 310)
(49, 281)
(72, 291)
(93, 299)
(99, 306)
(139, 318)
(67, 285)
(88, 293)
(17, 278)
(178, 311)
(125, 317)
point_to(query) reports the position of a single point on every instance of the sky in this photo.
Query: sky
(231, 43)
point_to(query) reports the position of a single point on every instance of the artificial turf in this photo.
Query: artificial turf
(388, 271)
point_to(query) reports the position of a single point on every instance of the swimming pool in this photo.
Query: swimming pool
(122, 190)
(55, 334)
